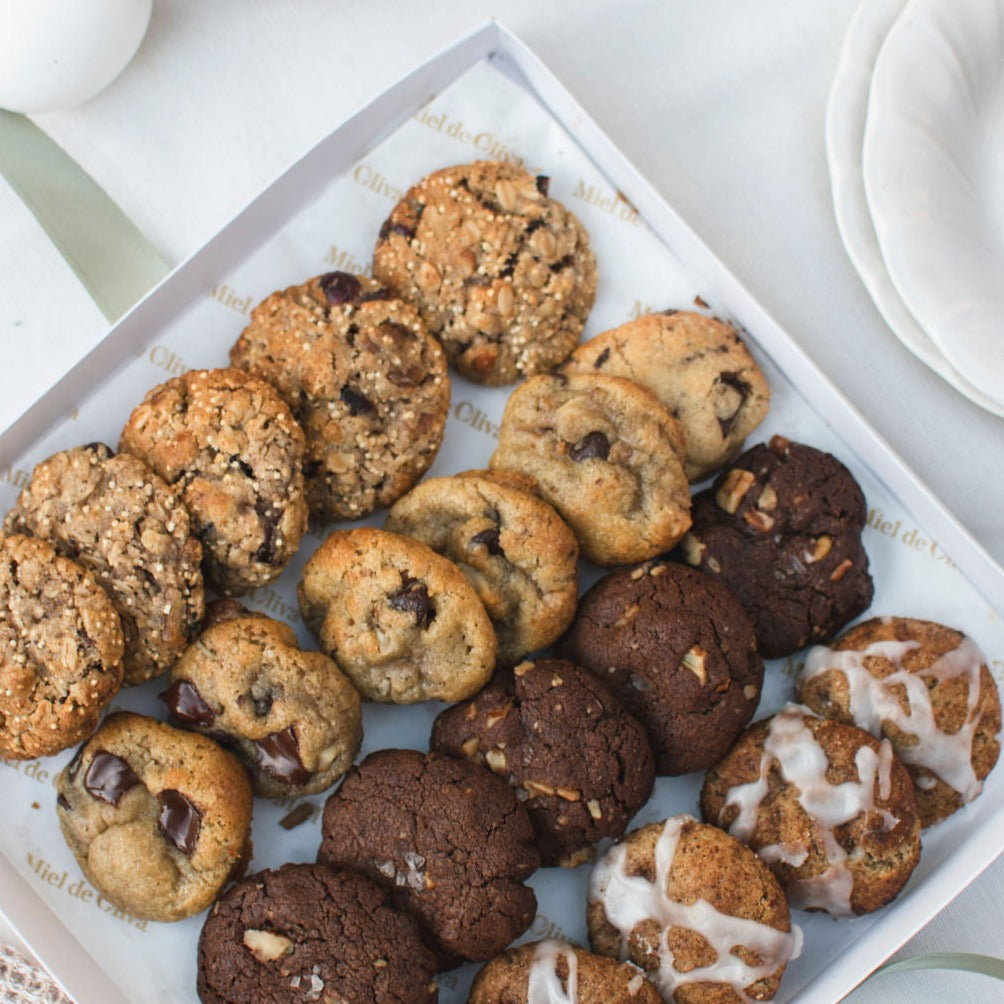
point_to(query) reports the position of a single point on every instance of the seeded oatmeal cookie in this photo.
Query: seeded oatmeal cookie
(232, 448)
(363, 377)
(115, 517)
(503, 275)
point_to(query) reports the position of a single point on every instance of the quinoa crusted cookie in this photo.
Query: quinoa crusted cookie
(502, 275)
(112, 515)
(698, 367)
(232, 448)
(365, 380)
(60, 650)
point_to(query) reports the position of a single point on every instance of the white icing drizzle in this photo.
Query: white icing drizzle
(947, 755)
(629, 900)
(544, 984)
(803, 763)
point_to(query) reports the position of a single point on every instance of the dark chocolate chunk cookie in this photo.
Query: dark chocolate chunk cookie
(311, 933)
(502, 275)
(60, 650)
(366, 381)
(782, 528)
(291, 716)
(157, 818)
(449, 840)
(233, 450)
(115, 517)
(678, 649)
(580, 764)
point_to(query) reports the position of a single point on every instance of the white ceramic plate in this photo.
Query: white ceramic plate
(846, 113)
(933, 152)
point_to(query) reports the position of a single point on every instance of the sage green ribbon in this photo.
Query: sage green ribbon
(985, 965)
(113, 260)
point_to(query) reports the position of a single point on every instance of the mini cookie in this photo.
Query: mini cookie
(447, 838)
(924, 687)
(678, 649)
(158, 819)
(698, 911)
(502, 275)
(698, 368)
(115, 517)
(235, 454)
(312, 933)
(401, 622)
(829, 808)
(362, 376)
(556, 972)
(782, 527)
(580, 764)
(519, 555)
(291, 716)
(606, 455)
(60, 650)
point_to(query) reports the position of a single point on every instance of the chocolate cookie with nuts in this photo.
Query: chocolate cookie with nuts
(581, 765)
(782, 528)
(502, 275)
(678, 649)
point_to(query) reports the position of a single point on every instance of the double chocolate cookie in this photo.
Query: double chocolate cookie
(502, 275)
(234, 452)
(115, 517)
(365, 380)
(782, 528)
(580, 764)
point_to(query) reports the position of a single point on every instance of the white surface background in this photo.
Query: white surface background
(720, 103)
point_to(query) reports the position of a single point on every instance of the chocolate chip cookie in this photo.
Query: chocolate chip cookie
(606, 454)
(678, 649)
(234, 452)
(924, 687)
(60, 650)
(157, 818)
(311, 933)
(401, 622)
(292, 717)
(115, 517)
(502, 275)
(447, 838)
(782, 528)
(580, 764)
(698, 367)
(365, 380)
(517, 552)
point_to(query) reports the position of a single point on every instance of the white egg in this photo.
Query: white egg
(57, 54)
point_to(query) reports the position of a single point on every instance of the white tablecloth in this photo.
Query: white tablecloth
(720, 103)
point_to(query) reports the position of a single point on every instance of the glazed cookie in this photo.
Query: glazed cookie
(447, 838)
(698, 911)
(698, 367)
(502, 275)
(291, 716)
(555, 971)
(678, 649)
(401, 622)
(60, 650)
(782, 527)
(158, 819)
(606, 455)
(829, 808)
(115, 517)
(580, 764)
(311, 933)
(363, 377)
(519, 555)
(924, 687)
(234, 452)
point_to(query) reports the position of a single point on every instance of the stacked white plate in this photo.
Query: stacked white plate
(915, 142)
